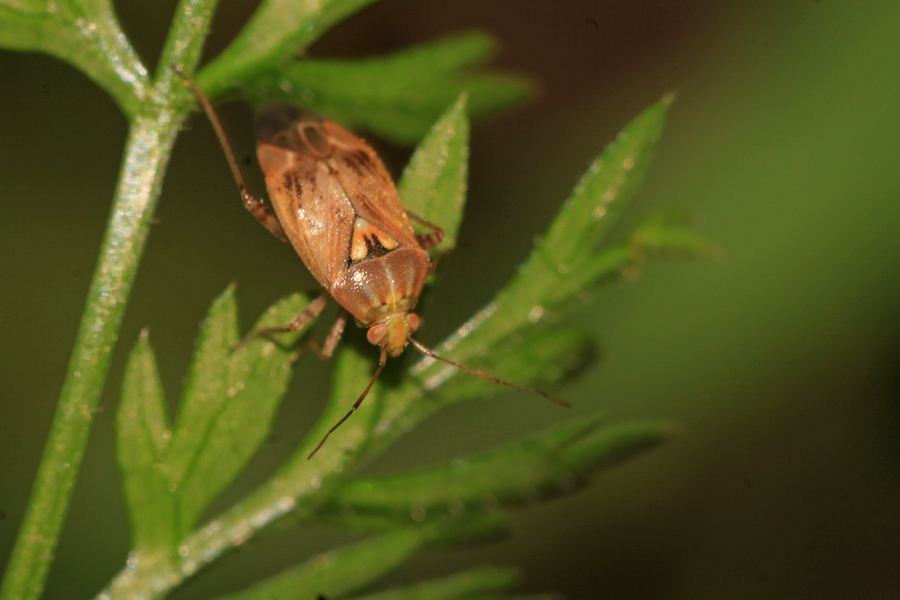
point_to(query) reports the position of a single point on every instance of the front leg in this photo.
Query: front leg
(326, 350)
(262, 213)
(254, 205)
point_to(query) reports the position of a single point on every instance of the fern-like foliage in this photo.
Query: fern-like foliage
(173, 472)
(174, 467)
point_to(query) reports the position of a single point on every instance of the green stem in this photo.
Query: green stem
(148, 149)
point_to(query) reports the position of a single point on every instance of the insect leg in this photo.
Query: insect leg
(256, 208)
(311, 311)
(334, 336)
(427, 240)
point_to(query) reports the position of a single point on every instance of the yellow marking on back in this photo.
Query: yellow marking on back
(369, 239)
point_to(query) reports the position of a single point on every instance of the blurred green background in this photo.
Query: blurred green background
(780, 360)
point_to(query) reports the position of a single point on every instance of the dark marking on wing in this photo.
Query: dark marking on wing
(360, 163)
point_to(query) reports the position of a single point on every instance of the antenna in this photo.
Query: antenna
(381, 362)
(429, 352)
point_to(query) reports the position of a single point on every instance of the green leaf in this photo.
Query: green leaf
(257, 379)
(398, 96)
(669, 234)
(205, 396)
(556, 462)
(554, 355)
(278, 31)
(540, 358)
(229, 402)
(656, 235)
(566, 261)
(337, 573)
(143, 438)
(484, 582)
(568, 250)
(433, 185)
(84, 34)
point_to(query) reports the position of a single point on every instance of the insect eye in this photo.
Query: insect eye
(376, 334)
(414, 322)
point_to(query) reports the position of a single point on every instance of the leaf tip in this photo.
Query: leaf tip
(461, 101)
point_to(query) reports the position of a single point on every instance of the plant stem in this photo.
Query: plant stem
(148, 149)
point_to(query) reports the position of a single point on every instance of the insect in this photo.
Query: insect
(336, 204)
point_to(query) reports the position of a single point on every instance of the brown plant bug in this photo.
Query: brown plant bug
(336, 204)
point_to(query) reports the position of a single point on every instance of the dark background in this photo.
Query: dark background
(780, 360)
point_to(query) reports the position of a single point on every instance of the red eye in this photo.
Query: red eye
(376, 334)
(414, 322)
